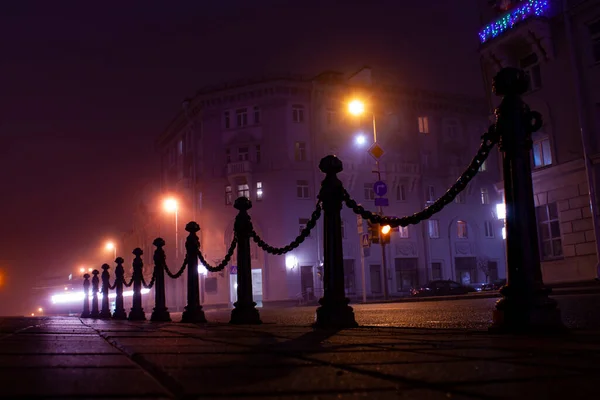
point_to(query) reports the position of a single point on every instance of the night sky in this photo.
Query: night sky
(85, 90)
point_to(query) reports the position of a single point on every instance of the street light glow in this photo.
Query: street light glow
(170, 205)
(40, 309)
(386, 229)
(110, 246)
(82, 270)
(356, 107)
(501, 211)
(360, 140)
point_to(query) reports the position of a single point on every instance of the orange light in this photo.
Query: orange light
(82, 270)
(110, 246)
(170, 204)
(356, 107)
(386, 229)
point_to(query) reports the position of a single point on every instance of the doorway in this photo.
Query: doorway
(257, 291)
(375, 275)
(307, 282)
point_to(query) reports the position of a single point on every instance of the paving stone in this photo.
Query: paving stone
(378, 358)
(80, 382)
(56, 347)
(64, 360)
(186, 360)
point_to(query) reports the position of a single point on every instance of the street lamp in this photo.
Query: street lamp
(171, 206)
(113, 247)
(357, 107)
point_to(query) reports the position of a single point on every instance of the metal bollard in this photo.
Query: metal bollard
(160, 311)
(105, 312)
(137, 311)
(86, 296)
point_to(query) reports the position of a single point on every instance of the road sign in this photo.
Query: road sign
(382, 202)
(380, 188)
(365, 240)
(376, 151)
(233, 269)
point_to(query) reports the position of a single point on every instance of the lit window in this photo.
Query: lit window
(549, 231)
(256, 115)
(243, 190)
(243, 154)
(302, 189)
(423, 125)
(434, 228)
(300, 151)
(259, 191)
(228, 195)
(461, 230)
(242, 116)
(298, 113)
(401, 193)
(403, 231)
(488, 228)
(541, 153)
(227, 120)
(369, 193)
(485, 196)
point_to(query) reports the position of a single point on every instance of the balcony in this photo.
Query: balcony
(239, 168)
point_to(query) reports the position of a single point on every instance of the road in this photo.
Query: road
(579, 311)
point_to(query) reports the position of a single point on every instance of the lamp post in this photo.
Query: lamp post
(171, 205)
(113, 247)
(357, 107)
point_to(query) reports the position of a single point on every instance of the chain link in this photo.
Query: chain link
(488, 140)
(225, 260)
(113, 287)
(179, 273)
(130, 282)
(152, 280)
(296, 242)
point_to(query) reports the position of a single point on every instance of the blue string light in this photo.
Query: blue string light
(528, 9)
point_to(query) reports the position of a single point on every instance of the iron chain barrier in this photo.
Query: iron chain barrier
(223, 262)
(178, 273)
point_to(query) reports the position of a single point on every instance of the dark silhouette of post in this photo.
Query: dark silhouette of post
(334, 311)
(105, 312)
(86, 296)
(137, 311)
(193, 312)
(160, 311)
(95, 289)
(525, 305)
(244, 311)
(119, 279)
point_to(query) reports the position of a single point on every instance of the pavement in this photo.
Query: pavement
(63, 358)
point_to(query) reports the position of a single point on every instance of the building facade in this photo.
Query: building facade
(557, 43)
(264, 140)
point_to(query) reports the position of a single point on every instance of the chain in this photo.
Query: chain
(225, 260)
(296, 242)
(113, 286)
(179, 273)
(130, 282)
(488, 140)
(149, 286)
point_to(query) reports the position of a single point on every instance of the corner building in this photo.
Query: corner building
(557, 43)
(263, 139)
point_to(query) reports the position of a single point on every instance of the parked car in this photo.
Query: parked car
(496, 285)
(440, 288)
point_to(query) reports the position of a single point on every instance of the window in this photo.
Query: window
(452, 129)
(532, 69)
(243, 154)
(243, 190)
(460, 198)
(228, 195)
(406, 273)
(180, 146)
(298, 113)
(259, 191)
(300, 151)
(436, 270)
(256, 115)
(258, 155)
(331, 114)
(227, 155)
(542, 156)
(302, 222)
(485, 196)
(423, 125)
(369, 193)
(302, 189)
(595, 36)
(403, 232)
(488, 228)
(549, 231)
(242, 116)
(461, 230)
(210, 285)
(483, 166)
(227, 120)
(434, 228)
(430, 193)
(401, 192)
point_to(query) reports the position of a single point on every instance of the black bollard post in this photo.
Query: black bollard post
(244, 311)
(193, 312)
(334, 312)
(105, 312)
(86, 296)
(95, 289)
(525, 306)
(137, 311)
(119, 279)
(160, 311)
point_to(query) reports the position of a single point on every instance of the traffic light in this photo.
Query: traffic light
(386, 230)
(373, 232)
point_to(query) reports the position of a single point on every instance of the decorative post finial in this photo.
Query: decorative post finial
(105, 313)
(193, 312)
(119, 282)
(160, 313)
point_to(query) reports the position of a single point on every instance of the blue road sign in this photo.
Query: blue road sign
(381, 202)
(380, 188)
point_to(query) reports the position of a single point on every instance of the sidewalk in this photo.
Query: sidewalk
(71, 358)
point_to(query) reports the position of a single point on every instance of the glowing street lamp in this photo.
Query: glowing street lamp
(360, 140)
(356, 107)
(172, 206)
(113, 247)
(386, 229)
(82, 270)
(40, 310)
